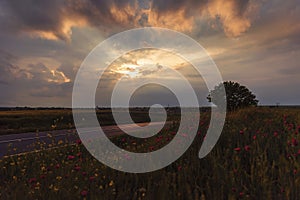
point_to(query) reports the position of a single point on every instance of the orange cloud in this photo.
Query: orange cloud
(124, 15)
(234, 22)
(64, 33)
(173, 20)
(56, 23)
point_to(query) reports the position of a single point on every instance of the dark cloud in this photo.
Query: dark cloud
(148, 71)
(144, 4)
(174, 5)
(105, 14)
(234, 17)
(30, 15)
(8, 71)
(55, 19)
(52, 90)
(24, 84)
(143, 21)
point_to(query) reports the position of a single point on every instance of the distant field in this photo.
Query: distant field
(256, 157)
(21, 121)
(34, 120)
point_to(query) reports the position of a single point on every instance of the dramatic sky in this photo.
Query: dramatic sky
(43, 43)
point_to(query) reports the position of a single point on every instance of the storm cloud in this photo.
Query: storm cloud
(55, 19)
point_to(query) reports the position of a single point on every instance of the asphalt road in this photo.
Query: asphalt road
(34, 141)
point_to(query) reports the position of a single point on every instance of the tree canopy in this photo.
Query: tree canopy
(237, 96)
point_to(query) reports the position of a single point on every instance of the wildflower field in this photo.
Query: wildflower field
(256, 157)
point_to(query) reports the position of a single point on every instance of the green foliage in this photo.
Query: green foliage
(237, 96)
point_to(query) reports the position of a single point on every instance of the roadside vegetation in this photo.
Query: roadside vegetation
(256, 157)
(22, 121)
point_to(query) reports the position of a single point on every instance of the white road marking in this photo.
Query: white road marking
(30, 138)
(107, 128)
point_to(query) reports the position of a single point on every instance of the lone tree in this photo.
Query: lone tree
(237, 96)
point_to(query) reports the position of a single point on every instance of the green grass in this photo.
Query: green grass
(34, 120)
(256, 157)
(22, 121)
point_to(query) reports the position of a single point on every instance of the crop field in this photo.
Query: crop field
(21, 121)
(256, 157)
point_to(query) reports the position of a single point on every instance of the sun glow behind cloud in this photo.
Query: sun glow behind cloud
(147, 63)
(130, 70)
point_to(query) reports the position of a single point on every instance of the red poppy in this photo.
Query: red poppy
(247, 148)
(275, 134)
(294, 142)
(242, 132)
(254, 137)
(70, 157)
(77, 168)
(238, 149)
(151, 148)
(84, 193)
(43, 176)
(179, 168)
(78, 141)
(32, 180)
